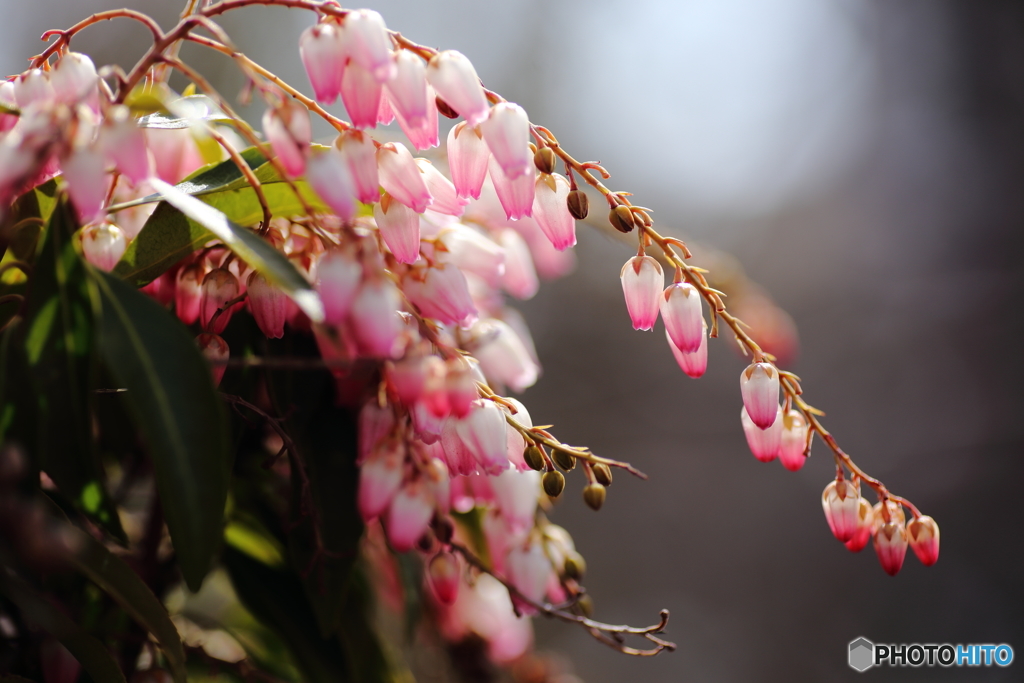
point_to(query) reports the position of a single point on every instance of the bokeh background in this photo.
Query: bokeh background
(864, 161)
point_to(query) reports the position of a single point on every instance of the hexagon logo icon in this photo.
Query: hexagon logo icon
(862, 654)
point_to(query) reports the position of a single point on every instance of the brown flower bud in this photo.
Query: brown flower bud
(563, 460)
(603, 474)
(586, 605)
(534, 457)
(621, 218)
(594, 495)
(443, 529)
(445, 109)
(545, 160)
(553, 482)
(578, 203)
(575, 566)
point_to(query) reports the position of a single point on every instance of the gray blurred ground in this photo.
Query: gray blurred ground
(864, 161)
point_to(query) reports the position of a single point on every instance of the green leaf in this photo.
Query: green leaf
(118, 580)
(251, 248)
(58, 339)
(89, 651)
(17, 406)
(171, 396)
(184, 112)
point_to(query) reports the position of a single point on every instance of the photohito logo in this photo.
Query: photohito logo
(863, 654)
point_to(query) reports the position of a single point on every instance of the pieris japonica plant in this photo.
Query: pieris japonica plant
(243, 362)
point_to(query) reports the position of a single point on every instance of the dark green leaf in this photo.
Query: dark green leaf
(185, 111)
(171, 397)
(17, 404)
(89, 651)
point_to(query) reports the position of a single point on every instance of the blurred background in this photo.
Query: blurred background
(864, 162)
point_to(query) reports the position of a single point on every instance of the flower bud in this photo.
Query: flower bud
(269, 305)
(696, 363)
(124, 144)
(467, 160)
(380, 476)
(506, 131)
(330, 177)
(407, 91)
(534, 457)
(337, 279)
(683, 313)
(578, 204)
(368, 43)
(544, 159)
(642, 281)
(891, 545)
(74, 80)
(586, 605)
(103, 244)
(550, 210)
(764, 443)
(563, 459)
(446, 200)
(794, 441)
(400, 227)
(602, 473)
(361, 92)
(401, 177)
(455, 80)
(409, 515)
(516, 196)
(553, 482)
(759, 386)
(323, 56)
(188, 292)
(290, 134)
(219, 287)
(442, 294)
(621, 218)
(841, 502)
(443, 577)
(594, 495)
(375, 319)
(923, 534)
(216, 352)
(361, 156)
(575, 567)
(865, 524)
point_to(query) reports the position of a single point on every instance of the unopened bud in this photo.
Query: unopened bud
(534, 457)
(443, 576)
(602, 473)
(426, 541)
(621, 218)
(563, 460)
(443, 529)
(554, 483)
(578, 203)
(586, 605)
(575, 566)
(444, 109)
(923, 534)
(215, 350)
(545, 160)
(594, 495)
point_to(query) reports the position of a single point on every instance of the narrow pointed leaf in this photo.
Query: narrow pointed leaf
(172, 399)
(184, 112)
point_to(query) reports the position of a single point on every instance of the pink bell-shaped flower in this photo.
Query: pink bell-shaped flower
(520, 278)
(407, 91)
(361, 93)
(443, 577)
(841, 502)
(682, 311)
(407, 377)
(74, 80)
(550, 210)
(219, 287)
(290, 134)
(483, 434)
(368, 43)
(84, 171)
(425, 135)
(516, 493)
(33, 86)
(865, 525)
(323, 56)
(506, 131)
(467, 159)
(694, 364)
(385, 114)
(472, 252)
(269, 305)
(124, 143)
(794, 440)
(401, 177)
(361, 156)
(442, 295)
(374, 316)
(380, 476)
(400, 227)
(338, 276)
(529, 570)
(329, 175)
(642, 282)
(446, 201)
(460, 387)
(409, 515)
(516, 196)
(216, 352)
(103, 244)
(759, 386)
(764, 443)
(503, 356)
(7, 121)
(891, 545)
(188, 292)
(455, 80)
(516, 442)
(923, 534)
